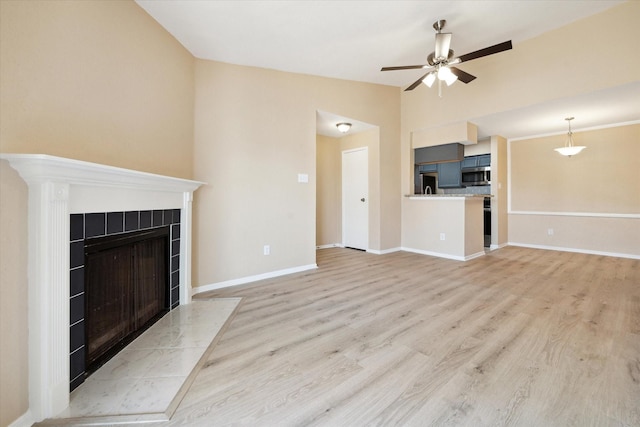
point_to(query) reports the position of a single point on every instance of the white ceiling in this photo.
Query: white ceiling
(352, 40)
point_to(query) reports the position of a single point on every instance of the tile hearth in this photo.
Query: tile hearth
(148, 378)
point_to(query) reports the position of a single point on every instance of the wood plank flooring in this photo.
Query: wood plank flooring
(519, 337)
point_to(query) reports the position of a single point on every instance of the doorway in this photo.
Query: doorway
(355, 198)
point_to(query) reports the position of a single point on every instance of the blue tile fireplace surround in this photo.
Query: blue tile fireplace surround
(88, 225)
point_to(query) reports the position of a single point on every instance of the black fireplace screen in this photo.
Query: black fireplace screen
(126, 290)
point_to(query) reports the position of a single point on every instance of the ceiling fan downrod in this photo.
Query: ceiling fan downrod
(439, 25)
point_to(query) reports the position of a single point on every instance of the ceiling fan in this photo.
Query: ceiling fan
(440, 62)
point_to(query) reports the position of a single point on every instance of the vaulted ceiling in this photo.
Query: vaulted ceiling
(353, 39)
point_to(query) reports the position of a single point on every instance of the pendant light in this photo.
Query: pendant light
(569, 149)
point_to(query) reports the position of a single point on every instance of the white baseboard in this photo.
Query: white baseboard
(494, 247)
(577, 250)
(331, 245)
(473, 256)
(25, 420)
(384, 251)
(441, 255)
(249, 279)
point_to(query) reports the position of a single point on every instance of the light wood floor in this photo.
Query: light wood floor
(519, 337)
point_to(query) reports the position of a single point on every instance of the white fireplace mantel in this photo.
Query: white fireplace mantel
(59, 187)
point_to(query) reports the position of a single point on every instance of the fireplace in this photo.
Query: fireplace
(60, 189)
(95, 239)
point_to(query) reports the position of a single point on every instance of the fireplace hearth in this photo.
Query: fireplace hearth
(58, 188)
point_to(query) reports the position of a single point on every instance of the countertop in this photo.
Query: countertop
(435, 196)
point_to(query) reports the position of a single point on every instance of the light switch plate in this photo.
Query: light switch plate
(303, 177)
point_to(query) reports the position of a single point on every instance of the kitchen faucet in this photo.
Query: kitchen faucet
(427, 189)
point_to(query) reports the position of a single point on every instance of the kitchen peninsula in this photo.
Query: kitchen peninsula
(444, 225)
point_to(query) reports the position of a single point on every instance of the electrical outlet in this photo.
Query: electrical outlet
(441, 236)
(303, 177)
(266, 250)
(550, 232)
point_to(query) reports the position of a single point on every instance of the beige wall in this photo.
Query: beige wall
(590, 201)
(254, 133)
(482, 147)
(328, 191)
(557, 64)
(603, 178)
(99, 81)
(460, 220)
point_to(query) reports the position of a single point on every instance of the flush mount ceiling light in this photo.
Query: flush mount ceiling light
(569, 149)
(343, 127)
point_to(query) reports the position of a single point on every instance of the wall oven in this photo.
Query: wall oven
(476, 176)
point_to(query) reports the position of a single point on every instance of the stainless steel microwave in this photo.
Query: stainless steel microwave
(476, 176)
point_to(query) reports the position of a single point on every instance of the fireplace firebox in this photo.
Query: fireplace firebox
(126, 290)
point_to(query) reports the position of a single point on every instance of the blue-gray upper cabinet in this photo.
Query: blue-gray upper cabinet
(470, 162)
(476, 161)
(449, 175)
(433, 167)
(484, 160)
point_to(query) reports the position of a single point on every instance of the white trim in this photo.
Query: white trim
(442, 255)
(57, 188)
(250, 279)
(579, 214)
(25, 420)
(493, 247)
(42, 167)
(576, 250)
(331, 245)
(384, 251)
(607, 126)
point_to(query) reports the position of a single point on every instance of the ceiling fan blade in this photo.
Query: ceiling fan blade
(463, 76)
(416, 83)
(497, 48)
(443, 41)
(404, 67)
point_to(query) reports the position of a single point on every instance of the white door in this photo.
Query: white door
(355, 198)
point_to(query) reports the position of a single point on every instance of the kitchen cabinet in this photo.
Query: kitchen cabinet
(470, 162)
(433, 167)
(483, 160)
(450, 175)
(438, 153)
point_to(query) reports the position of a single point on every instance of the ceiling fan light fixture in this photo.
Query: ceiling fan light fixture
(450, 79)
(569, 149)
(343, 127)
(445, 73)
(431, 77)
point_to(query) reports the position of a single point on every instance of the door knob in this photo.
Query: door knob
(362, 200)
